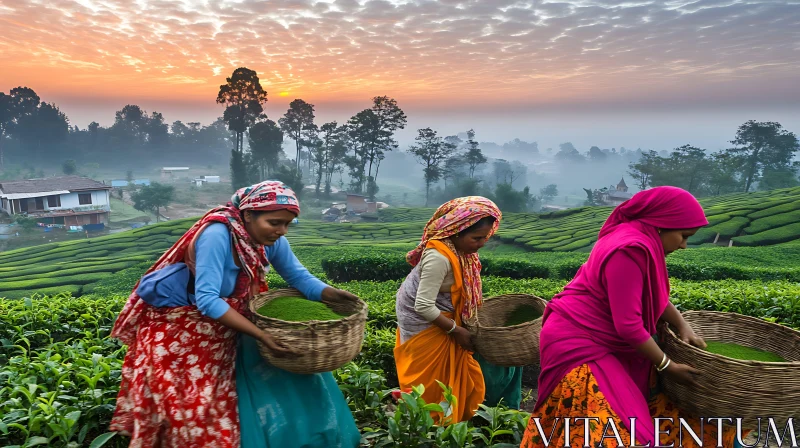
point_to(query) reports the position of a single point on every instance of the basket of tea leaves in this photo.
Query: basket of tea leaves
(506, 329)
(326, 334)
(750, 367)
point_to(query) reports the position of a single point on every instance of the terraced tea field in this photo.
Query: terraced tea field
(556, 244)
(59, 371)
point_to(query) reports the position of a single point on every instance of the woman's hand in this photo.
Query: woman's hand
(683, 374)
(278, 349)
(687, 335)
(463, 338)
(333, 293)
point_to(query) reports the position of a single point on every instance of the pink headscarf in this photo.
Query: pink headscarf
(586, 334)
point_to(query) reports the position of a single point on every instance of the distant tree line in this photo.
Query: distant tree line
(762, 157)
(359, 145)
(31, 129)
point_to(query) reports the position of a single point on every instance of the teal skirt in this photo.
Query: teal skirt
(503, 384)
(283, 409)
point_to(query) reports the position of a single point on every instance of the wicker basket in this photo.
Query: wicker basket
(730, 387)
(323, 346)
(517, 345)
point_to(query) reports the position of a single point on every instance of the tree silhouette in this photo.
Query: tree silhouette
(760, 146)
(266, 140)
(243, 97)
(430, 150)
(298, 119)
(474, 155)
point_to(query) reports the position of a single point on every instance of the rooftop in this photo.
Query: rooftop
(51, 184)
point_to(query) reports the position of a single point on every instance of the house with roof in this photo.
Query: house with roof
(617, 195)
(65, 200)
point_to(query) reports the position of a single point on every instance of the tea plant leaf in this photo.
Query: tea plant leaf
(102, 439)
(33, 441)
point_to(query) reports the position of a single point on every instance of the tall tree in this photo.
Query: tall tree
(24, 106)
(390, 119)
(266, 146)
(474, 155)
(760, 145)
(430, 150)
(371, 135)
(244, 100)
(363, 135)
(328, 152)
(129, 126)
(687, 167)
(297, 120)
(156, 131)
(643, 170)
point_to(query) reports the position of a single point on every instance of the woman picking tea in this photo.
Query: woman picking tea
(441, 292)
(193, 375)
(598, 354)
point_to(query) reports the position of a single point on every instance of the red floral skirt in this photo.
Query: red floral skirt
(178, 385)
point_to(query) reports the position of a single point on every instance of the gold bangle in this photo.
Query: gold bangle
(665, 366)
(663, 361)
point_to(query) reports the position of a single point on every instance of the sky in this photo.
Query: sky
(633, 73)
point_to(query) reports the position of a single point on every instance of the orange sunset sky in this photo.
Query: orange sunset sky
(91, 57)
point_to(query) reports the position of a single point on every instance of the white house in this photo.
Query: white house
(67, 200)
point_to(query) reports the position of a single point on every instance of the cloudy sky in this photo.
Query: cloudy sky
(607, 72)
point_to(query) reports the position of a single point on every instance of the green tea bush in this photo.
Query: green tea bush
(772, 236)
(345, 268)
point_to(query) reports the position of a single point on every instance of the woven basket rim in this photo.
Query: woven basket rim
(704, 353)
(517, 326)
(284, 292)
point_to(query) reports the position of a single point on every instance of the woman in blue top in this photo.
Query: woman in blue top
(177, 387)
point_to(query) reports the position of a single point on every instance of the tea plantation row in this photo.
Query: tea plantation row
(60, 371)
(88, 266)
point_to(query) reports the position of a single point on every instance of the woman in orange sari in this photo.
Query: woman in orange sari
(441, 292)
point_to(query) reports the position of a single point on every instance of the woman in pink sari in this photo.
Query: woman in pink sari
(598, 354)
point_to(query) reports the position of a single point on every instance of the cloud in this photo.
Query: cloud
(456, 51)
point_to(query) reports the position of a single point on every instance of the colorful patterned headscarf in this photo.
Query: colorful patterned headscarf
(267, 195)
(451, 218)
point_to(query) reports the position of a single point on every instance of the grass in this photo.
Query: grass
(122, 212)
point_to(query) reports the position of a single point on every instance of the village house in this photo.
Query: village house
(67, 200)
(616, 196)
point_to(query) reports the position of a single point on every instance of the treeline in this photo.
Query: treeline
(762, 157)
(34, 130)
(358, 145)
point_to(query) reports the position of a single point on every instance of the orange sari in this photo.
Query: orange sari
(433, 355)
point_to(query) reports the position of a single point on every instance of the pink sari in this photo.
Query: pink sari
(578, 328)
